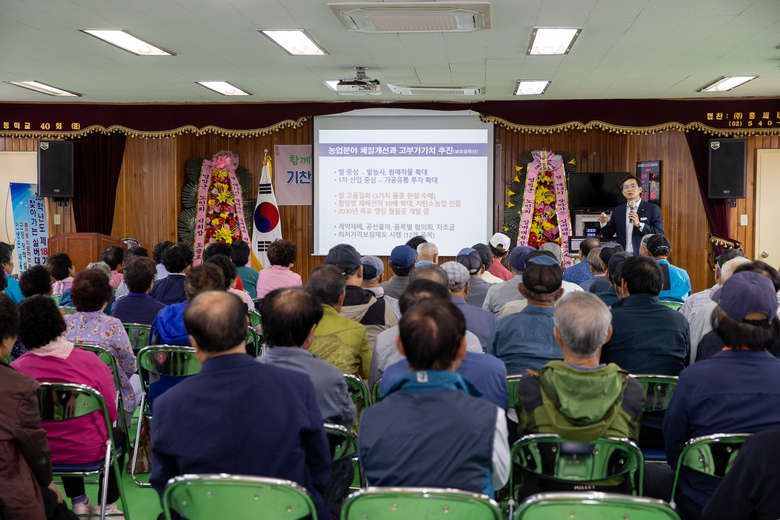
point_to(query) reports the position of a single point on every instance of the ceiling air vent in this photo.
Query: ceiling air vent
(383, 17)
(437, 90)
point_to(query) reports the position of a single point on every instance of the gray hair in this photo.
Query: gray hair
(645, 240)
(431, 272)
(427, 249)
(729, 267)
(102, 267)
(594, 259)
(583, 321)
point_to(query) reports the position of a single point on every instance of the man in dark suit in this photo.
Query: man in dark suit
(633, 219)
(238, 416)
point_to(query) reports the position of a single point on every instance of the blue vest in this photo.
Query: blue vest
(429, 431)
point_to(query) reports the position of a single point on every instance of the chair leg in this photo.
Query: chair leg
(122, 497)
(104, 487)
(135, 444)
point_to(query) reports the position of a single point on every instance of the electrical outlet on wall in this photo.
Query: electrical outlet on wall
(57, 219)
(743, 220)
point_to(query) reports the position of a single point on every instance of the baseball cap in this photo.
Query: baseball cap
(518, 256)
(343, 256)
(470, 258)
(372, 267)
(484, 253)
(456, 272)
(542, 278)
(616, 260)
(500, 241)
(541, 257)
(553, 248)
(402, 256)
(729, 254)
(659, 245)
(744, 293)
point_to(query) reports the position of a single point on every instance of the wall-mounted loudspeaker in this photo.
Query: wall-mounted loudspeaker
(55, 169)
(728, 162)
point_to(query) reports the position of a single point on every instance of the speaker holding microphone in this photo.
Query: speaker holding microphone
(728, 168)
(55, 169)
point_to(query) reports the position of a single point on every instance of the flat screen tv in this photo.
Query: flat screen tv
(595, 190)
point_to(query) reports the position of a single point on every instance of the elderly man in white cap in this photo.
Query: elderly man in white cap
(499, 247)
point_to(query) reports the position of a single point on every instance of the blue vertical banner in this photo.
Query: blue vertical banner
(32, 234)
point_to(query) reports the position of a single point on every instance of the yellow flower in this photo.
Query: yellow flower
(215, 222)
(225, 235)
(223, 215)
(225, 196)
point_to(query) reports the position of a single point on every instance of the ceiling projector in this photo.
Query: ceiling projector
(360, 85)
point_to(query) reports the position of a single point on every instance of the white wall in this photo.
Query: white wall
(14, 167)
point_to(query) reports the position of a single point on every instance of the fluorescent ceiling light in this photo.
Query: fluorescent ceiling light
(296, 43)
(726, 83)
(552, 40)
(43, 88)
(223, 87)
(331, 83)
(531, 87)
(126, 41)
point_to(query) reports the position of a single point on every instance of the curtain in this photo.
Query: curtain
(97, 160)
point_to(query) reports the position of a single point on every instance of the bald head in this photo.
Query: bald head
(430, 272)
(216, 321)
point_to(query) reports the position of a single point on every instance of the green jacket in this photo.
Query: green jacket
(342, 342)
(580, 405)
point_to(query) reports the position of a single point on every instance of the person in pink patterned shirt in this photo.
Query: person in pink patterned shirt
(61, 269)
(90, 294)
(114, 256)
(282, 255)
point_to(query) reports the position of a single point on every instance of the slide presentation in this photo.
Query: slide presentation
(380, 180)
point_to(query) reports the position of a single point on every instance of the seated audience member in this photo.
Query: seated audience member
(26, 486)
(17, 350)
(7, 262)
(749, 489)
(360, 305)
(35, 280)
(385, 352)
(500, 294)
(580, 272)
(701, 324)
(203, 424)
(694, 303)
(62, 270)
(157, 256)
(53, 358)
(499, 248)
(177, 259)
(518, 305)
(478, 321)
(486, 373)
(102, 267)
(338, 340)
(450, 423)
(282, 255)
(427, 253)
(137, 306)
(415, 241)
(114, 256)
(478, 288)
(239, 253)
(525, 340)
(290, 317)
(614, 294)
(556, 252)
(647, 337)
(487, 260)
(643, 245)
(168, 326)
(679, 284)
(584, 399)
(401, 262)
(373, 268)
(733, 392)
(595, 266)
(91, 293)
(602, 284)
(133, 252)
(231, 278)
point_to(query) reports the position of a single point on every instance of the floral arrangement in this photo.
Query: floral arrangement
(544, 225)
(221, 223)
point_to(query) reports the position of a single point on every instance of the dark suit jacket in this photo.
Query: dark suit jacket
(169, 290)
(649, 215)
(241, 417)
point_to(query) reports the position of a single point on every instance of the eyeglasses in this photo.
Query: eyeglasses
(629, 186)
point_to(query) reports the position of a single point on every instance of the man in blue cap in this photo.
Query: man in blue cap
(401, 262)
(502, 293)
(478, 287)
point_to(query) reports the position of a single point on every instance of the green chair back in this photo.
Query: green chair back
(675, 306)
(258, 302)
(68, 310)
(254, 319)
(57, 299)
(358, 390)
(344, 444)
(403, 503)
(658, 390)
(593, 506)
(712, 455)
(169, 360)
(376, 395)
(8, 359)
(138, 334)
(237, 497)
(513, 386)
(252, 342)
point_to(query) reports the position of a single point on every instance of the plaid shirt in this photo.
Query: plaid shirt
(695, 302)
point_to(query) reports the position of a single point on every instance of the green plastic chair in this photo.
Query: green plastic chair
(344, 444)
(138, 334)
(161, 360)
(237, 497)
(658, 394)
(254, 319)
(712, 455)
(8, 359)
(593, 506)
(358, 390)
(376, 395)
(402, 503)
(252, 342)
(68, 310)
(513, 386)
(675, 306)
(258, 302)
(551, 457)
(65, 401)
(57, 299)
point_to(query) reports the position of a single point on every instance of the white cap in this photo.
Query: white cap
(500, 241)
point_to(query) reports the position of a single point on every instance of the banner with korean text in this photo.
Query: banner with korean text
(32, 234)
(293, 175)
